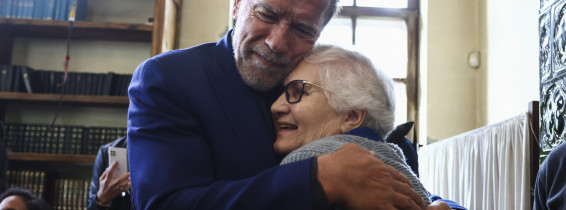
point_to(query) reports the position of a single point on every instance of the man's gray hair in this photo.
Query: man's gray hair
(352, 82)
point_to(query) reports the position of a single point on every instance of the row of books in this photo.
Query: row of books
(31, 180)
(15, 78)
(43, 9)
(59, 139)
(71, 194)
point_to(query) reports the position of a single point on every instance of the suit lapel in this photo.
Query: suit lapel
(241, 108)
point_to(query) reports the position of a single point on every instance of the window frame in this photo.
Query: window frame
(411, 17)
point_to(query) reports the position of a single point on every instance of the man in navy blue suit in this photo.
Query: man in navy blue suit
(200, 131)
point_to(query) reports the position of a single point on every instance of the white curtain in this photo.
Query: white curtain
(486, 168)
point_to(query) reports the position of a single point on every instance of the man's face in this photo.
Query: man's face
(272, 36)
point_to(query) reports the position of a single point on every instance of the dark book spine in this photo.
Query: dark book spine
(61, 139)
(17, 83)
(48, 135)
(29, 79)
(42, 135)
(4, 77)
(107, 88)
(9, 79)
(21, 137)
(58, 85)
(68, 140)
(76, 140)
(84, 141)
(100, 84)
(42, 79)
(69, 86)
(10, 136)
(88, 84)
(34, 138)
(28, 138)
(118, 82)
(79, 81)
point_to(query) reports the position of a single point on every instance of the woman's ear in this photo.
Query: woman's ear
(354, 119)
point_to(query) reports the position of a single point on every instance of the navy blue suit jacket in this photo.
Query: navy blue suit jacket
(198, 139)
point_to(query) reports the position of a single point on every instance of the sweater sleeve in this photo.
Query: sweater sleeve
(390, 154)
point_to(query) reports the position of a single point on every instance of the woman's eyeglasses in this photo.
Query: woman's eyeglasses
(294, 90)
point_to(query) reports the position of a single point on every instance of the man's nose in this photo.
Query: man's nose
(277, 40)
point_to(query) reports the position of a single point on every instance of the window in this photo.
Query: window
(386, 32)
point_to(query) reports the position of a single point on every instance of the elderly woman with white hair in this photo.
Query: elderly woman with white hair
(335, 97)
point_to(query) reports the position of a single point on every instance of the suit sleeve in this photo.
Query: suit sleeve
(172, 165)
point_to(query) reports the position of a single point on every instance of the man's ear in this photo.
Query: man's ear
(235, 9)
(353, 119)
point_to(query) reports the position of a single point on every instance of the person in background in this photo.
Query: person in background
(106, 192)
(550, 185)
(336, 97)
(3, 157)
(21, 199)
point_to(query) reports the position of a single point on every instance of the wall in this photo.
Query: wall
(460, 98)
(451, 92)
(512, 45)
(203, 21)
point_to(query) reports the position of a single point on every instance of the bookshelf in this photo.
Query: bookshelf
(44, 157)
(75, 168)
(118, 101)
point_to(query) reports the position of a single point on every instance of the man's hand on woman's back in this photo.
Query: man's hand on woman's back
(354, 178)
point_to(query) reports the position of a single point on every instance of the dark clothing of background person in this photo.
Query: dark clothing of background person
(550, 186)
(100, 165)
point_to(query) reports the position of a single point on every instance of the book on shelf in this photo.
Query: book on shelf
(5, 77)
(19, 8)
(57, 8)
(14, 78)
(59, 139)
(49, 9)
(29, 79)
(17, 85)
(14, 10)
(38, 9)
(108, 83)
(2, 5)
(71, 193)
(80, 9)
(32, 180)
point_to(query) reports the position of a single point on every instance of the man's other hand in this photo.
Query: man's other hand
(354, 178)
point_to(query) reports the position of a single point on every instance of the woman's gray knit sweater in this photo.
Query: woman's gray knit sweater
(390, 154)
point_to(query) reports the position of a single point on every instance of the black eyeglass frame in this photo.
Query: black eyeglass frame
(303, 82)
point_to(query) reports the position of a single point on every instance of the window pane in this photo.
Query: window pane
(401, 107)
(338, 32)
(346, 3)
(382, 3)
(384, 41)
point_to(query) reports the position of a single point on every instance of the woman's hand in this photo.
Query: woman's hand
(109, 188)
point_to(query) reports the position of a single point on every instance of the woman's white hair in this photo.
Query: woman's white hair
(352, 82)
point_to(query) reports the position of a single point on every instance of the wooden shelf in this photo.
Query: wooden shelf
(46, 157)
(120, 101)
(81, 30)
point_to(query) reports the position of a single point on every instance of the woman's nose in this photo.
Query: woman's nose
(280, 106)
